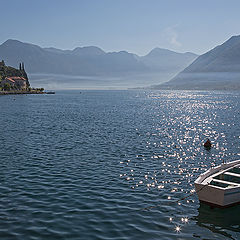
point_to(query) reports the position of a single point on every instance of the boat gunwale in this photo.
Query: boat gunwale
(204, 180)
(212, 171)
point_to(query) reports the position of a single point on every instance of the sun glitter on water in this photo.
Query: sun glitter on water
(177, 229)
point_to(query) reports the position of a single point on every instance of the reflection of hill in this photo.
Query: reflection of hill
(219, 221)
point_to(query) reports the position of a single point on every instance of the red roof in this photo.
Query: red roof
(9, 79)
(12, 79)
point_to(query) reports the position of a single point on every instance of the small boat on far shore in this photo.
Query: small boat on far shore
(220, 186)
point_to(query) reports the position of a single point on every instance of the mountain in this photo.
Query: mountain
(88, 51)
(56, 50)
(219, 69)
(80, 61)
(158, 65)
(160, 59)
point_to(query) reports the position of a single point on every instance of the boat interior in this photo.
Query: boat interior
(229, 178)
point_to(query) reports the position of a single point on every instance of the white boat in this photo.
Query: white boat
(220, 186)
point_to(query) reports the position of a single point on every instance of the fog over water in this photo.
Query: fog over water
(203, 81)
(59, 82)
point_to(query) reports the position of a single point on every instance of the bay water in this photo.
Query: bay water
(114, 164)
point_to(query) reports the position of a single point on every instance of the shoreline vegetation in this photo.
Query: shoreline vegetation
(34, 91)
(15, 81)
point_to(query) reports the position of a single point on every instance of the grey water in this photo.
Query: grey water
(114, 164)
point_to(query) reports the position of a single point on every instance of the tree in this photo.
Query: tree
(7, 87)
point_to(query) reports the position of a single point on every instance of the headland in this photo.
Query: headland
(15, 81)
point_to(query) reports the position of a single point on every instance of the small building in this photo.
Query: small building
(19, 83)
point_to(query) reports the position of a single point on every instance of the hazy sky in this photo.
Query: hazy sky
(113, 25)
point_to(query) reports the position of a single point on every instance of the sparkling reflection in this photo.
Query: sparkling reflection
(173, 155)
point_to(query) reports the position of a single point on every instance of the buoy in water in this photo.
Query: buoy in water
(208, 144)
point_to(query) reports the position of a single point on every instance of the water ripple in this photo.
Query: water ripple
(113, 164)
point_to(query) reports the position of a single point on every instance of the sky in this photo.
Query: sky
(136, 26)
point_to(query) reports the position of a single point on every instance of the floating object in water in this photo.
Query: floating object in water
(220, 186)
(208, 144)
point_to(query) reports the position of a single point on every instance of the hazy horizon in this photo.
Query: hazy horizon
(86, 46)
(118, 118)
(136, 27)
(133, 26)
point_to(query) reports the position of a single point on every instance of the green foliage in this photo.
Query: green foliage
(7, 71)
(7, 87)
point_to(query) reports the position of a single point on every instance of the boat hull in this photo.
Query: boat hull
(217, 197)
(216, 188)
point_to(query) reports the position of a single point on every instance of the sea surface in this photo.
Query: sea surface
(114, 164)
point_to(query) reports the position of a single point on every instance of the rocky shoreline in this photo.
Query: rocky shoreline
(24, 92)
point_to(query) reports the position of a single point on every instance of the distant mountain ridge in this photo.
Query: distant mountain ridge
(163, 59)
(218, 69)
(223, 58)
(91, 61)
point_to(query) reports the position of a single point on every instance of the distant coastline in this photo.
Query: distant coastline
(24, 92)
